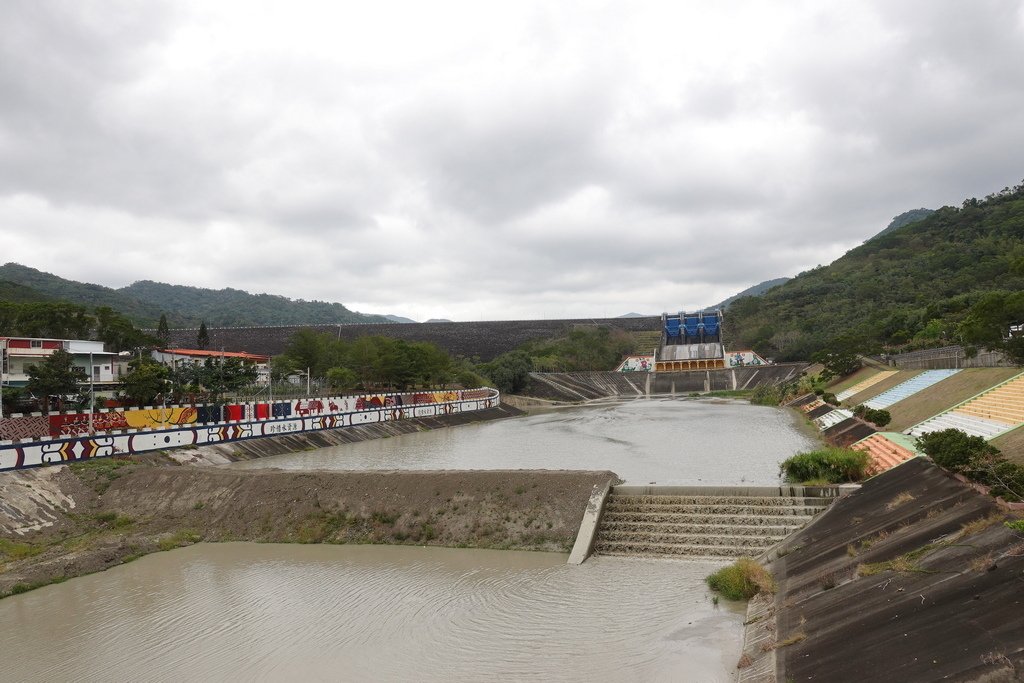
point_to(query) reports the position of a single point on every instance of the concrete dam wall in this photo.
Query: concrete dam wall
(582, 386)
(485, 339)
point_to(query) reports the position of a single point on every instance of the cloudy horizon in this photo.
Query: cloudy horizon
(472, 161)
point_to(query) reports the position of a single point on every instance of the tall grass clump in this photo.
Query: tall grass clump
(742, 580)
(828, 465)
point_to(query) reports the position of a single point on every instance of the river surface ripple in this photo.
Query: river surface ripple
(235, 611)
(663, 440)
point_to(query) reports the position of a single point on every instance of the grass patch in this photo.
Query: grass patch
(13, 550)
(793, 639)
(981, 523)
(742, 580)
(832, 465)
(904, 497)
(179, 539)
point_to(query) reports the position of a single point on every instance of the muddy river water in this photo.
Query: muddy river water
(238, 611)
(670, 441)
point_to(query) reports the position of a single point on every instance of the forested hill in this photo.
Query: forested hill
(144, 302)
(955, 276)
(52, 287)
(233, 307)
(759, 288)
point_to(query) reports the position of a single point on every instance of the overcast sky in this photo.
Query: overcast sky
(486, 160)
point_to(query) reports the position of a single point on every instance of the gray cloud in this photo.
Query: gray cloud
(499, 161)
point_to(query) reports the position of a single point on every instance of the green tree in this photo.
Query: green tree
(341, 379)
(510, 371)
(203, 338)
(163, 331)
(56, 376)
(146, 379)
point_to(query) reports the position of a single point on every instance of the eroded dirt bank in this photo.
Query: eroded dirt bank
(102, 513)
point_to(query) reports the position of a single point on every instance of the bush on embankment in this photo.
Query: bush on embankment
(976, 459)
(828, 466)
(879, 418)
(742, 580)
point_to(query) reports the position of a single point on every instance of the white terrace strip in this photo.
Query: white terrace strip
(908, 388)
(832, 418)
(975, 426)
(866, 384)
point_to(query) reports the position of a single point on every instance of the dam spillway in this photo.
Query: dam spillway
(704, 522)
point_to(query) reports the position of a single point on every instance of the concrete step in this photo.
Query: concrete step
(634, 548)
(701, 518)
(750, 542)
(746, 510)
(675, 527)
(760, 501)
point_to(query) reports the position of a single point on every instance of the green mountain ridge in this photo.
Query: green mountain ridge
(912, 286)
(143, 302)
(755, 290)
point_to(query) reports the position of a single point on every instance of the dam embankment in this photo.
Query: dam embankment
(914, 577)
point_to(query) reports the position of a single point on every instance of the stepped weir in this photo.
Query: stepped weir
(698, 522)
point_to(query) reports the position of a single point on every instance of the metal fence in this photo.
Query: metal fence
(949, 357)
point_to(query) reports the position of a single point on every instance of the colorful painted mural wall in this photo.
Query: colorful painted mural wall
(636, 364)
(738, 359)
(31, 440)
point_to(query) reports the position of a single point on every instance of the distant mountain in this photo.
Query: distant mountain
(905, 218)
(143, 302)
(439, 320)
(399, 319)
(756, 290)
(233, 307)
(633, 315)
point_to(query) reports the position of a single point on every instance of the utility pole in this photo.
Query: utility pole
(3, 365)
(307, 383)
(92, 394)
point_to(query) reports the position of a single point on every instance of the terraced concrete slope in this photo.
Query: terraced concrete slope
(987, 415)
(882, 386)
(688, 524)
(917, 383)
(886, 450)
(832, 418)
(888, 585)
(945, 395)
(865, 384)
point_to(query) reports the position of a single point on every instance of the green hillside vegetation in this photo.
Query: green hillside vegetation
(957, 276)
(61, 320)
(905, 218)
(756, 290)
(82, 293)
(19, 294)
(230, 307)
(144, 302)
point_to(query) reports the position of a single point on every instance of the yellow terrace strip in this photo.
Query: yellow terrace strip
(866, 384)
(1003, 404)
